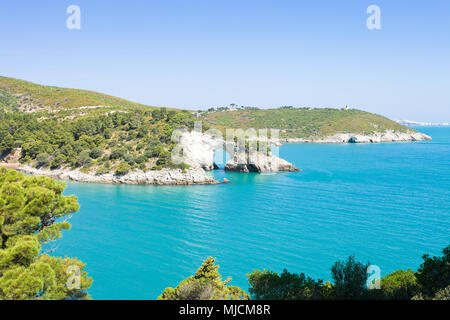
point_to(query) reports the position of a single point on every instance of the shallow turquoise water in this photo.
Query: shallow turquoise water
(387, 203)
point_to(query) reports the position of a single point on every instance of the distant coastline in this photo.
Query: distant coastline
(411, 123)
(376, 137)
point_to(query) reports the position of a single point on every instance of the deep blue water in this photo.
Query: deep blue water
(387, 203)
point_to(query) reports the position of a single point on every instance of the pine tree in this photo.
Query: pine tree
(207, 284)
(30, 212)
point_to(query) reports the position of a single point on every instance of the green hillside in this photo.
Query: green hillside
(302, 122)
(69, 128)
(35, 97)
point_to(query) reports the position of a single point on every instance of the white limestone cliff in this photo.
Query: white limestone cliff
(198, 152)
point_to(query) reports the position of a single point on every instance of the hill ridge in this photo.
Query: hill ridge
(33, 97)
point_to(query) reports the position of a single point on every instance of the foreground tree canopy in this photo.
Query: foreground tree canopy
(32, 210)
(349, 278)
(430, 282)
(206, 284)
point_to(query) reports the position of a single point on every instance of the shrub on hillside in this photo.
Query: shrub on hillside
(122, 169)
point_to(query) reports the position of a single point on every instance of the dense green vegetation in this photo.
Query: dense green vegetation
(97, 133)
(32, 210)
(268, 285)
(302, 122)
(206, 284)
(430, 282)
(118, 141)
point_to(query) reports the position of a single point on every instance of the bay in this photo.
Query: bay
(388, 203)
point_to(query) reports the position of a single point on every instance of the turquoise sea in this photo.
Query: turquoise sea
(388, 203)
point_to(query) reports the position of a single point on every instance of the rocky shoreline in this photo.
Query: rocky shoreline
(156, 177)
(200, 151)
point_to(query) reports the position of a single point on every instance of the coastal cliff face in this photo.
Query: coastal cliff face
(159, 177)
(198, 150)
(378, 137)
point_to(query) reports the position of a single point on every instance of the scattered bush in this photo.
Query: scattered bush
(349, 279)
(101, 170)
(268, 285)
(58, 161)
(122, 169)
(128, 158)
(96, 153)
(154, 151)
(164, 158)
(400, 285)
(434, 273)
(140, 159)
(84, 160)
(117, 153)
(42, 160)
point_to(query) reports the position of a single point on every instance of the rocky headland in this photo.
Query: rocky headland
(199, 148)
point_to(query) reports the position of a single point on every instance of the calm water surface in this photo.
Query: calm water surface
(387, 203)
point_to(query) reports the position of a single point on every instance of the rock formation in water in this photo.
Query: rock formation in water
(258, 162)
(199, 151)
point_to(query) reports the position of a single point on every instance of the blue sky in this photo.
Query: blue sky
(197, 54)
